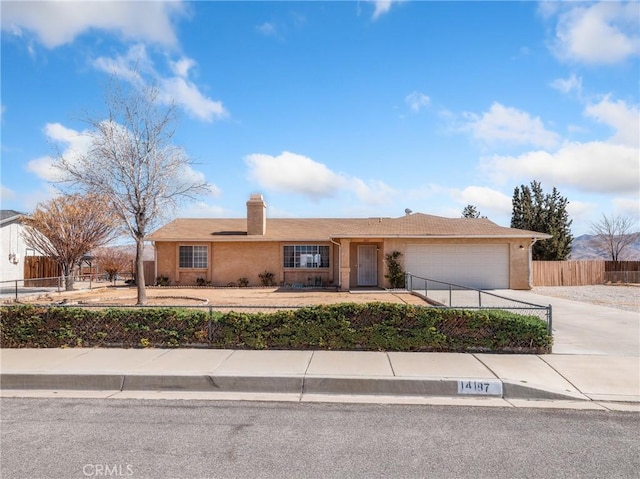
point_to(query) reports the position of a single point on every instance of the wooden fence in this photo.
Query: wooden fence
(584, 272)
(45, 271)
(38, 267)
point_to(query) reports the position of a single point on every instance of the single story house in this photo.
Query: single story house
(343, 252)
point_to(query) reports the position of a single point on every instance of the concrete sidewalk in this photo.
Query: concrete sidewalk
(582, 378)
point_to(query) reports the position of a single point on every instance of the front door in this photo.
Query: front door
(367, 265)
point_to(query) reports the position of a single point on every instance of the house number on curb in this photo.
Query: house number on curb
(483, 388)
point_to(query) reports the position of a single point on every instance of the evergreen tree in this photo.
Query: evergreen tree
(546, 213)
(470, 211)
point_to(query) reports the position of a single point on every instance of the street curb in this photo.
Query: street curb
(294, 384)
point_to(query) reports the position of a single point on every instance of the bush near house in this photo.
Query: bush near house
(347, 326)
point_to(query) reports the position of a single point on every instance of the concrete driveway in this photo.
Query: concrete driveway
(583, 328)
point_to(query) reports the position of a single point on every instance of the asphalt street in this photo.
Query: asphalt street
(196, 439)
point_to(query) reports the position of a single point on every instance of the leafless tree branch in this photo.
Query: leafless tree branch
(68, 227)
(134, 165)
(613, 234)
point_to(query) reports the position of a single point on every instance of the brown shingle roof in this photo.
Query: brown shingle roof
(321, 229)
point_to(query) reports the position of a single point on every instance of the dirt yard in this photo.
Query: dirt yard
(245, 297)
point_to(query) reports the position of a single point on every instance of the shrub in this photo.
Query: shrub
(162, 280)
(396, 273)
(267, 278)
(243, 282)
(202, 282)
(347, 326)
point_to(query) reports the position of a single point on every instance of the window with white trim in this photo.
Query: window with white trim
(193, 257)
(306, 256)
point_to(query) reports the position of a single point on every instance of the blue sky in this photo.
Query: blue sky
(343, 109)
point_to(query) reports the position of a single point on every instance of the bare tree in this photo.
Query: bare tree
(614, 234)
(133, 163)
(113, 261)
(68, 227)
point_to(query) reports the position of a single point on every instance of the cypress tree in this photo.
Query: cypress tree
(546, 213)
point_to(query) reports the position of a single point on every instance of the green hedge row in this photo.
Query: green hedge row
(371, 326)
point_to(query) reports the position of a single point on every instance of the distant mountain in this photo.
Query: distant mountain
(130, 250)
(583, 248)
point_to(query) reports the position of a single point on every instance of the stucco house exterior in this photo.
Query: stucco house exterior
(12, 246)
(343, 252)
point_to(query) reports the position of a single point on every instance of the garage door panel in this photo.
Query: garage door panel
(473, 265)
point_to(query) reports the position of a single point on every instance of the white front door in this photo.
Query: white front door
(367, 265)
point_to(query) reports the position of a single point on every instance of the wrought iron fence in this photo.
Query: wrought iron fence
(20, 288)
(441, 294)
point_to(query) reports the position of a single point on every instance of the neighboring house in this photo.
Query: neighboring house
(12, 246)
(343, 252)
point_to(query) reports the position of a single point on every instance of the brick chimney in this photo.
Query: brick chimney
(256, 215)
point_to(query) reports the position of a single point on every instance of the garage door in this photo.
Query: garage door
(474, 265)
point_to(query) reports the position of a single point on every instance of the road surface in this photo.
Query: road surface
(195, 439)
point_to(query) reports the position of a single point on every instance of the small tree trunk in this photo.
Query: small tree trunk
(68, 277)
(140, 283)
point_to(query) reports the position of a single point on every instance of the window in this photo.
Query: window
(306, 256)
(193, 257)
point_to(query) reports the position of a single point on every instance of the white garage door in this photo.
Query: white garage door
(474, 265)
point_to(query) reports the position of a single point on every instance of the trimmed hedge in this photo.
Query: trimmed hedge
(347, 326)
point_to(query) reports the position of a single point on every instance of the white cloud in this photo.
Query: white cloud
(509, 125)
(187, 95)
(417, 100)
(129, 67)
(486, 200)
(290, 172)
(136, 63)
(568, 85)
(204, 210)
(381, 7)
(267, 29)
(628, 206)
(625, 120)
(58, 23)
(75, 144)
(293, 173)
(600, 33)
(6, 194)
(373, 192)
(579, 210)
(595, 167)
(181, 67)
(36, 197)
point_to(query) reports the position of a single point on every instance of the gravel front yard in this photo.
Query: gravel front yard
(225, 297)
(626, 298)
(613, 296)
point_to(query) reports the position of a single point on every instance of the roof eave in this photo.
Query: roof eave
(536, 236)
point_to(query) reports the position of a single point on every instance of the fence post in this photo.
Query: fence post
(450, 295)
(210, 325)
(16, 290)
(479, 299)
(550, 319)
